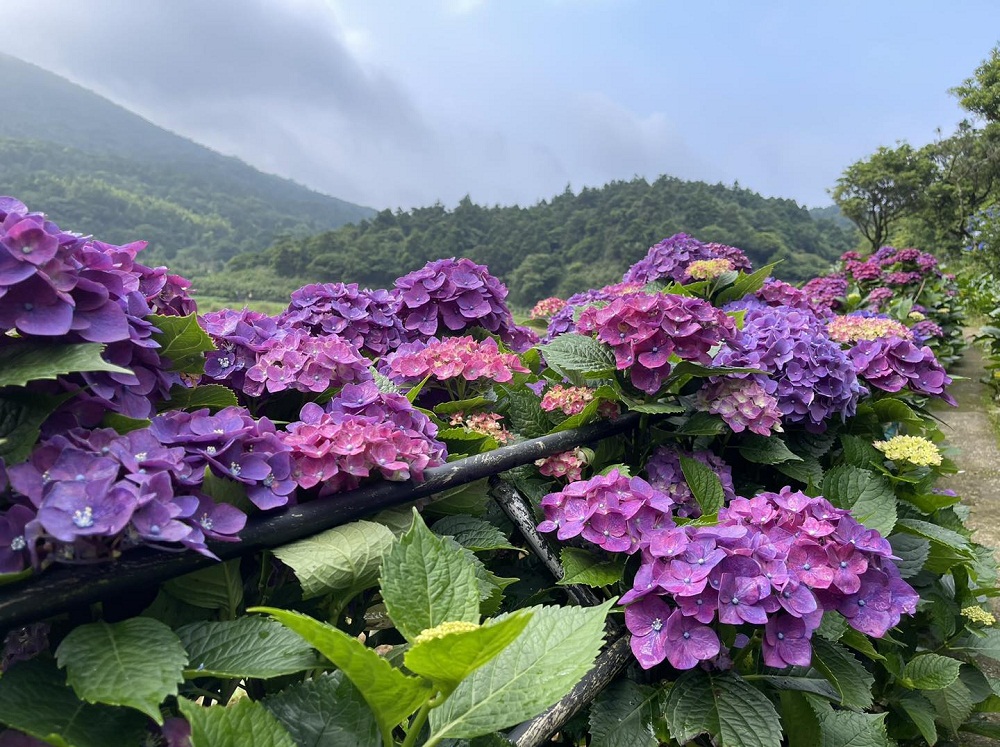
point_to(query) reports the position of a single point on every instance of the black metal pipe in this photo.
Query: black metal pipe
(62, 588)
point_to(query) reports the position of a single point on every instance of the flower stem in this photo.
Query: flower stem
(418, 724)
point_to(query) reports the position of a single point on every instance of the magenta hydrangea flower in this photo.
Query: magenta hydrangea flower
(665, 474)
(451, 358)
(786, 642)
(671, 257)
(645, 329)
(239, 336)
(743, 403)
(564, 320)
(892, 363)
(827, 292)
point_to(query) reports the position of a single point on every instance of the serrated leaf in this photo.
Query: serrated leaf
(35, 699)
(813, 685)
(475, 534)
(577, 354)
(656, 408)
(236, 725)
(246, 647)
(135, 663)
(28, 360)
(809, 471)
(122, 423)
(896, 411)
(869, 496)
(342, 558)
(952, 705)
(705, 485)
(846, 729)
(766, 450)
(449, 659)
(182, 342)
(947, 547)
(833, 626)
(556, 649)
(744, 284)
(982, 643)
(726, 706)
(919, 710)
(415, 390)
(799, 719)
(327, 711)
(584, 567)
(391, 695)
(844, 672)
(702, 424)
(624, 714)
(930, 672)
(425, 583)
(860, 643)
(470, 499)
(859, 452)
(523, 411)
(218, 587)
(212, 396)
(462, 405)
(912, 552)
(21, 416)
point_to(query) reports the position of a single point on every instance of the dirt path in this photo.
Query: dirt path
(968, 427)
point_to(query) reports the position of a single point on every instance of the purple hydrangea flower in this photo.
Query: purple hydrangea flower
(671, 257)
(892, 363)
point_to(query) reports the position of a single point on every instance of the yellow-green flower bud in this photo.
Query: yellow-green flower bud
(445, 628)
(913, 449)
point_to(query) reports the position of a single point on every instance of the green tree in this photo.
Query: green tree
(980, 94)
(876, 192)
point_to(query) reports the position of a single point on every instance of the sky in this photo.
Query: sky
(409, 102)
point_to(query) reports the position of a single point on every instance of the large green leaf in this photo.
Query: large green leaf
(391, 695)
(869, 496)
(576, 354)
(239, 724)
(584, 567)
(952, 705)
(705, 485)
(35, 699)
(448, 659)
(247, 647)
(859, 452)
(813, 685)
(327, 711)
(135, 663)
(21, 416)
(524, 414)
(845, 673)
(726, 706)
(981, 643)
(475, 534)
(930, 672)
(556, 649)
(425, 582)
(345, 557)
(919, 710)
(218, 587)
(213, 396)
(912, 552)
(847, 729)
(34, 361)
(182, 341)
(947, 547)
(626, 715)
(744, 284)
(766, 450)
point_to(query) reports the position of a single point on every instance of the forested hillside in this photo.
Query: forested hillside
(553, 248)
(104, 170)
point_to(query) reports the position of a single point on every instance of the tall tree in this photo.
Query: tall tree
(980, 94)
(875, 192)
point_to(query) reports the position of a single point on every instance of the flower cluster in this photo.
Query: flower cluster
(338, 449)
(234, 445)
(878, 296)
(854, 327)
(743, 403)
(826, 292)
(299, 360)
(452, 358)
(902, 278)
(776, 292)
(452, 295)
(665, 474)
(892, 363)
(547, 308)
(809, 375)
(925, 330)
(672, 257)
(568, 465)
(914, 450)
(368, 319)
(645, 329)
(239, 337)
(864, 272)
(569, 400)
(777, 560)
(564, 320)
(484, 423)
(709, 269)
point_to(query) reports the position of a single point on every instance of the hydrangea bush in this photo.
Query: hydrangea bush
(771, 538)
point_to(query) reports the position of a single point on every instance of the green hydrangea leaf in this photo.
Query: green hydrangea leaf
(626, 714)
(342, 558)
(744, 284)
(577, 354)
(930, 672)
(35, 699)
(766, 450)
(912, 552)
(246, 647)
(236, 725)
(556, 649)
(135, 663)
(218, 587)
(470, 532)
(952, 705)
(213, 396)
(392, 695)
(869, 496)
(725, 706)
(182, 342)
(705, 485)
(450, 658)
(327, 711)
(584, 567)
(921, 713)
(844, 672)
(29, 360)
(425, 582)
(21, 416)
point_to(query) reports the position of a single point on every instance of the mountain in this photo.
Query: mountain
(831, 212)
(99, 169)
(557, 247)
